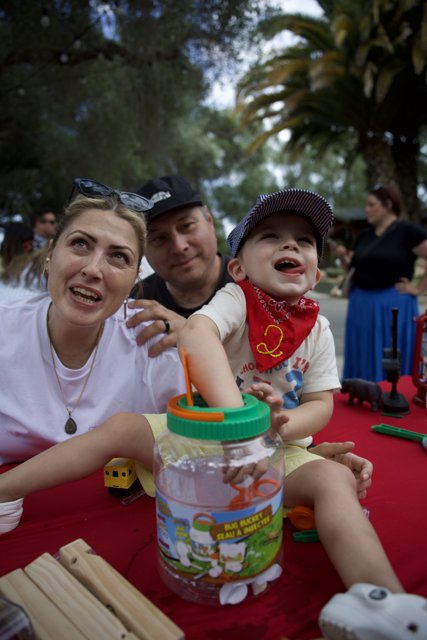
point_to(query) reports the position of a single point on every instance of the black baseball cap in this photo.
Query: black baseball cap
(168, 194)
(306, 203)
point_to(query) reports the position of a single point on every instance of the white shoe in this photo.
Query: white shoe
(10, 514)
(367, 612)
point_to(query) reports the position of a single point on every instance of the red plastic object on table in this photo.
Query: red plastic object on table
(419, 367)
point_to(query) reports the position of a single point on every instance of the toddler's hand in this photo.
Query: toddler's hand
(245, 463)
(278, 418)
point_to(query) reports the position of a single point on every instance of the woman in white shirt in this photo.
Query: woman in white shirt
(68, 359)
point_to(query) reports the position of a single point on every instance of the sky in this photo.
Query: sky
(222, 94)
(299, 6)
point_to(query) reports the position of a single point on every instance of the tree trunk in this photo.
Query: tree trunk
(396, 163)
(377, 154)
(405, 154)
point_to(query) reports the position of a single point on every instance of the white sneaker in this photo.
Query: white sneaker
(367, 612)
(10, 514)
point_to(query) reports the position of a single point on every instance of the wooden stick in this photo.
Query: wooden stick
(49, 623)
(77, 603)
(135, 610)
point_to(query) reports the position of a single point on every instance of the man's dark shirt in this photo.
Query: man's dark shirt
(154, 288)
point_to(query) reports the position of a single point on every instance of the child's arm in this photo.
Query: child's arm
(340, 452)
(208, 363)
(313, 413)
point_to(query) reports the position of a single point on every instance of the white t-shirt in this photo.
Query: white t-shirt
(310, 369)
(8, 292)
(32, 411)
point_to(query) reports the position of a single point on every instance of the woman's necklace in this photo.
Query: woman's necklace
(71, 425)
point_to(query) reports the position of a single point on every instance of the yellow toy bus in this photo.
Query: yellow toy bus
(119, 473)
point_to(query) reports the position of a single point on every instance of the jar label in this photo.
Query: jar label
(220, 546)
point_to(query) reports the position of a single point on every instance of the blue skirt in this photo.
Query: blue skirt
(368, 332)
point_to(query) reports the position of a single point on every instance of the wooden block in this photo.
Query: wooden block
(136, 612)
(76, 603)
(49, 623)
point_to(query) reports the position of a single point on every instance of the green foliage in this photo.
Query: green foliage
(117, 92)
(111, 91)
(358, 71)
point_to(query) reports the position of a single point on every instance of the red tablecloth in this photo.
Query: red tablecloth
(126, 536)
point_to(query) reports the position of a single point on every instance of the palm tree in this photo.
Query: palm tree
(357, 73)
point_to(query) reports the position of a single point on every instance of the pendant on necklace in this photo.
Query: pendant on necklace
(70, 426)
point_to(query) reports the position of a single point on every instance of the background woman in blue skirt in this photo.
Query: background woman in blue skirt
(383, 261)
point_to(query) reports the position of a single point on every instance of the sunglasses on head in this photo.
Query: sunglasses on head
(377, 187)
(94, 189)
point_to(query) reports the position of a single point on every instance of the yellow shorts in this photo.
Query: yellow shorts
(296, 456)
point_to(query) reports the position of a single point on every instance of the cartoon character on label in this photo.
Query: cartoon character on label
(203, 547)
(232, 555)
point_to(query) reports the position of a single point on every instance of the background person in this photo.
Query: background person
(383, 260)
(44, 226)
(18, 240)
(16, 253)
(23, 276)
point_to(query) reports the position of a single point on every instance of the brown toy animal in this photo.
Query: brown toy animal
(361, 390)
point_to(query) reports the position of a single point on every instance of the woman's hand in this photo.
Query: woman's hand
(342, 452)
(406, 286)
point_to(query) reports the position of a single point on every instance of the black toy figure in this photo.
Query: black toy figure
(393, 402)
(361, 390)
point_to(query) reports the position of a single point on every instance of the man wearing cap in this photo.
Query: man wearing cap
(183, 251)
